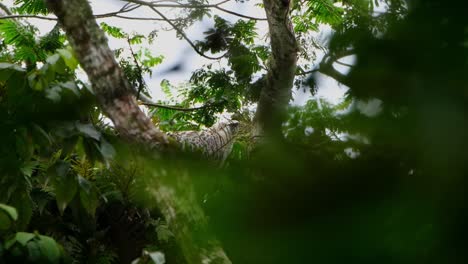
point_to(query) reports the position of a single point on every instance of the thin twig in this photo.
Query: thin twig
(344, 64)
(185, 36)
(142, 18)
(308, 72)
(142, 83)
(28, 16)
(182, 109)
(239, 15)
(125, 9)
(179, 5)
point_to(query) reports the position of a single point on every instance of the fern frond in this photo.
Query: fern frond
(324, 11)
(31, 7)
(26, 54)
(14, 33)
(22, 37)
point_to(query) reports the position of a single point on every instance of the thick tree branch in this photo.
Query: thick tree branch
(326, 66)
(276, 93)
(113, 91)
(116, 98)
(333, 73)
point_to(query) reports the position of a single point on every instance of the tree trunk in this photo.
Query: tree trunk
(276, 94)
(113, 91)
(117, 100)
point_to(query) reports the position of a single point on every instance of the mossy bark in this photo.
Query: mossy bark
(112, 89)
(116, 98)
(276, 93)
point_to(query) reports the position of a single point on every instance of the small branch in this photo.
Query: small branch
(5, 9)
(140, 71)
(182, 109)
(239, 15)
(28, 16)
(185, 36)
(302, 72)
(125, 9)
(326, 66)
(338, 55)
(142, 18)
(179, 5)
(343, 64)
(176, 5)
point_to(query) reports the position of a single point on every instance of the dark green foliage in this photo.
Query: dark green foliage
(345, 185)
(32, 248)
(28, 47)
(237, 40)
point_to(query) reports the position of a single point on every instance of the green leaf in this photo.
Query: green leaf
(32, 7)
(53, 59)
(14, 33)
(68, 57)
(137, 39)
(70, 85)
(10, 66)
(10, 211)
(34, 251)
(53, 93)
(166, 87)
(49, 249)
(8, 214)
(28, 168)
(107, 150)
(24, 146)
(65, 185)
(65, 190)
(5, 221)
(113, 31)
(40, 135)
(164, 233)
(88, 196)
(23, 204)
(57, 63)
(88, 130)
(23, 238)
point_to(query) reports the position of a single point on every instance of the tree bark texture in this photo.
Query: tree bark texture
(112, 89)
(276, 94)
(117, 100)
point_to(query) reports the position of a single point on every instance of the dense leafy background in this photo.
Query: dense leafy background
(345, 185)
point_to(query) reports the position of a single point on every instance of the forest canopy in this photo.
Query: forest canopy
(227, 167)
